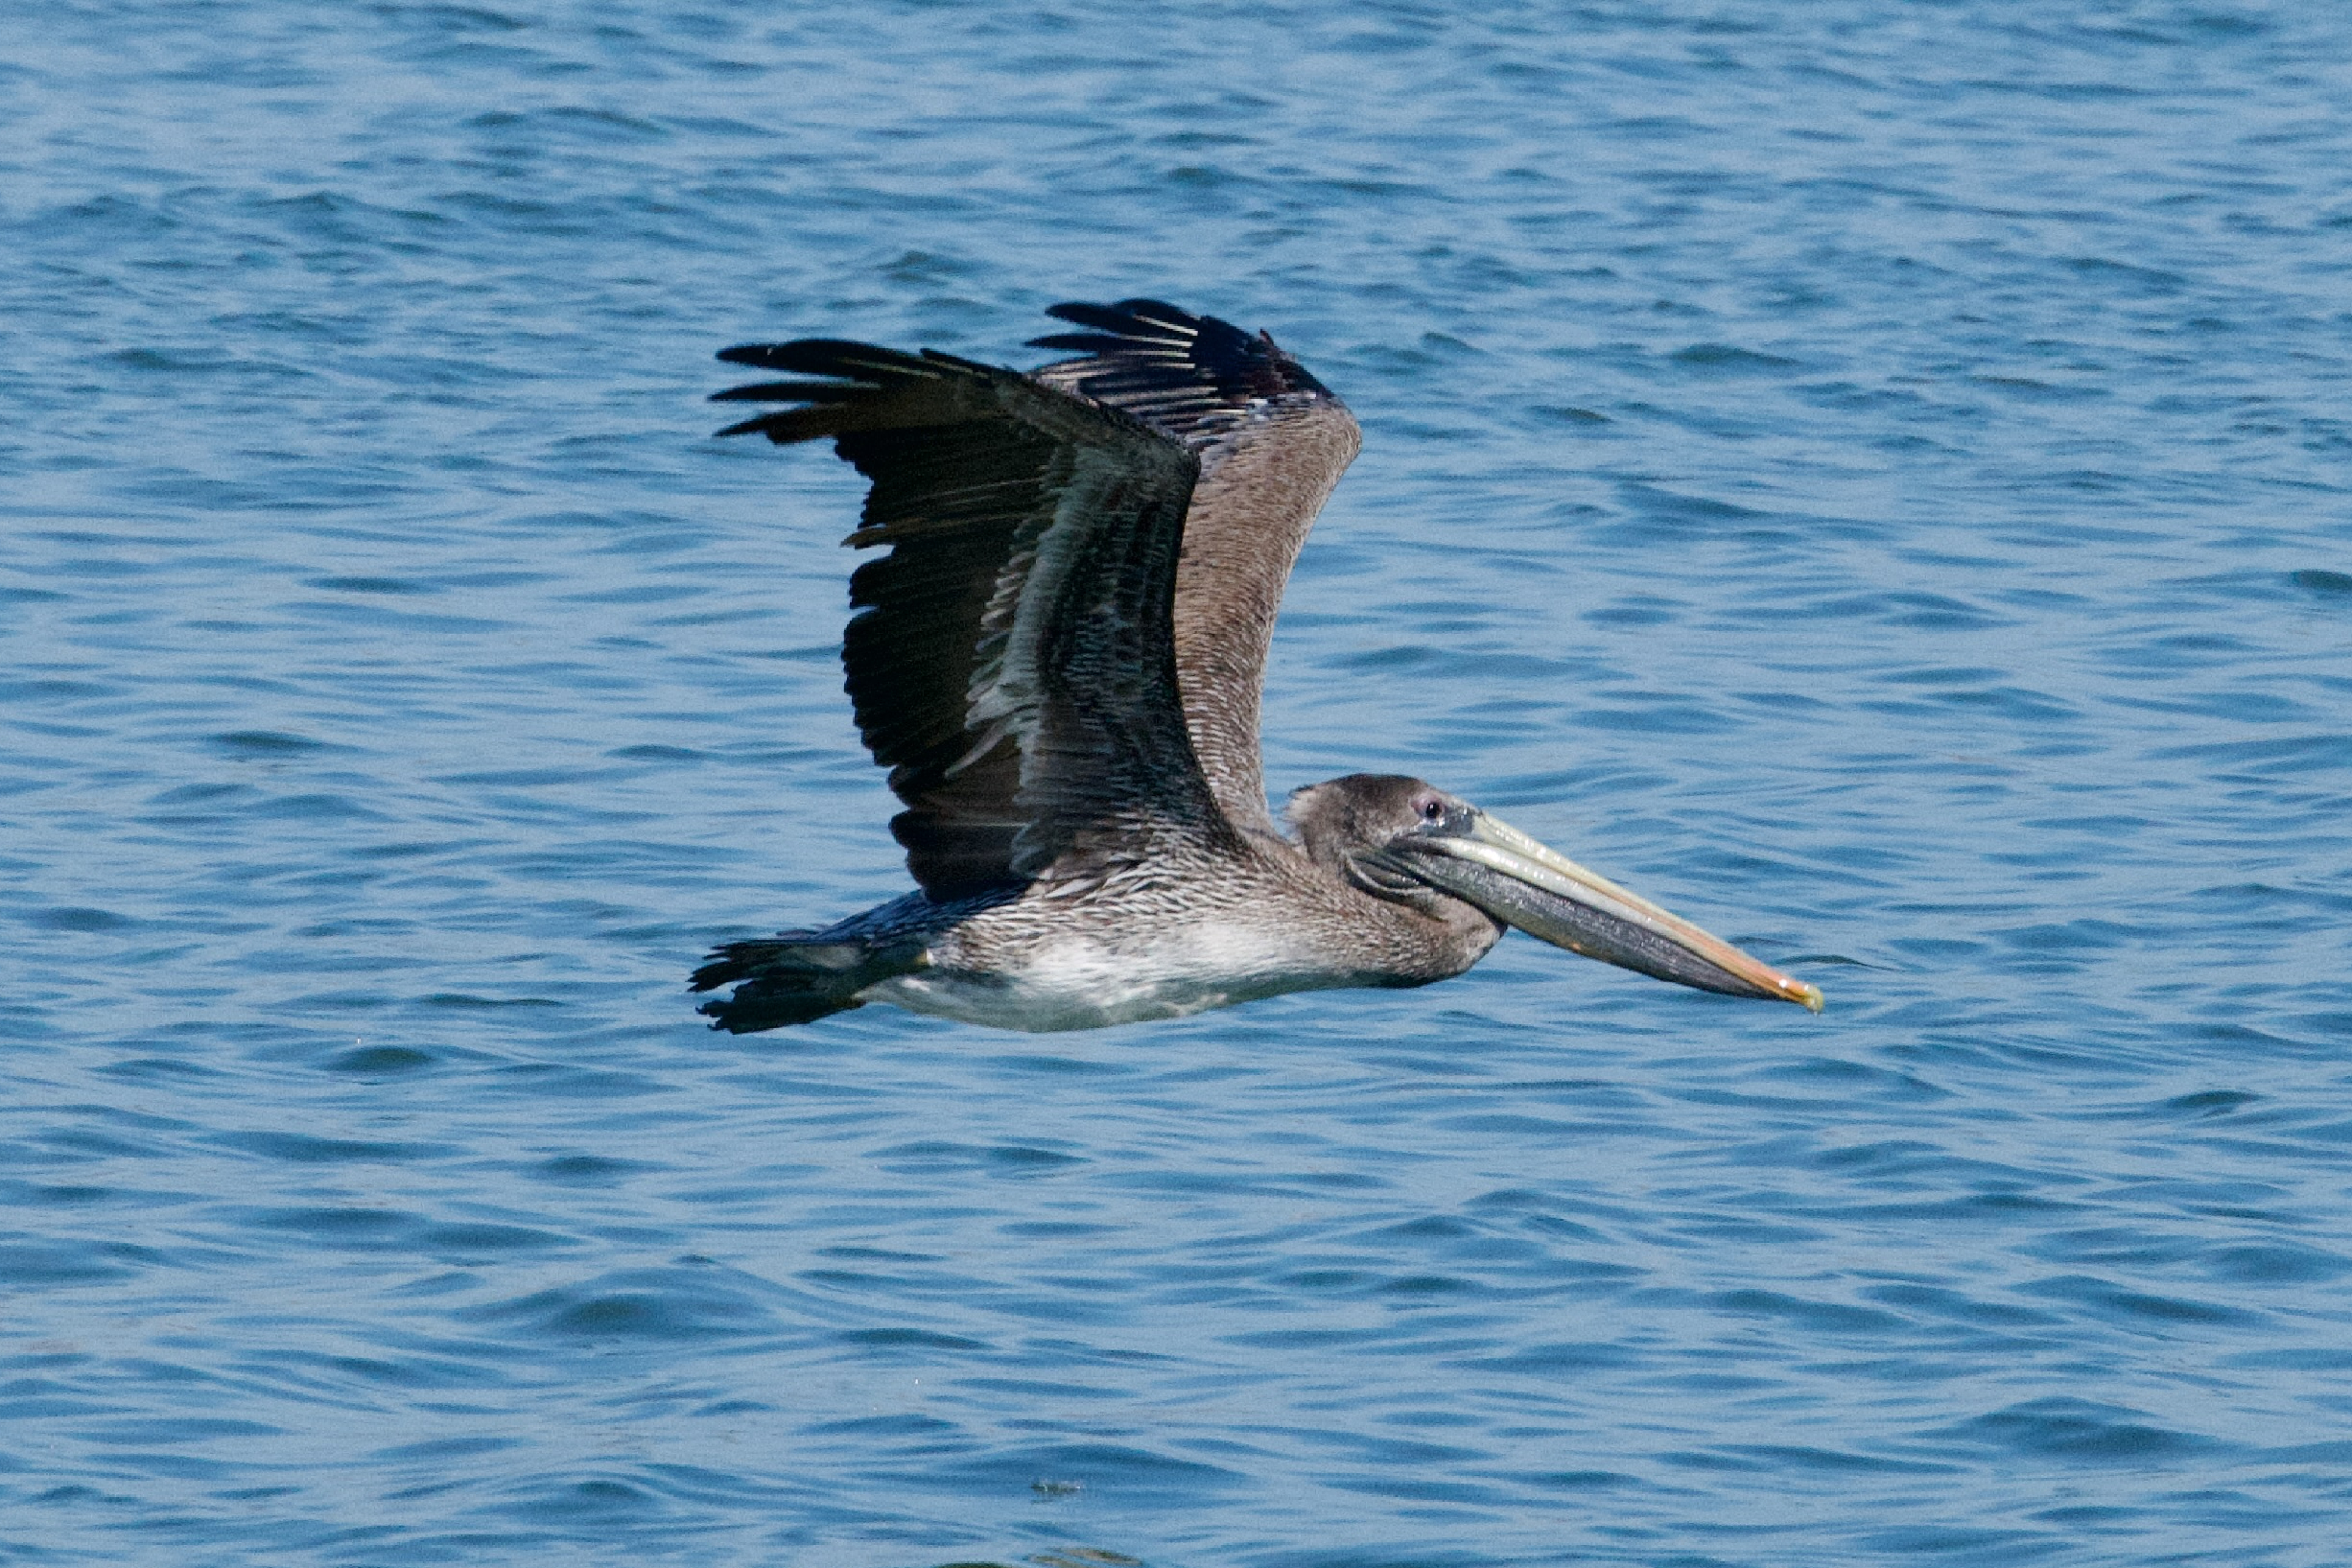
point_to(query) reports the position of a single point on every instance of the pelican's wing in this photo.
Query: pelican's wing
(1272, 441)
(1011, 660)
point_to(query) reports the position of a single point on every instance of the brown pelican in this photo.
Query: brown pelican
(1059, 658)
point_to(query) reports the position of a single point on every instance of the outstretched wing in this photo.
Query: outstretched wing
(1011, 660)
(1272, 441)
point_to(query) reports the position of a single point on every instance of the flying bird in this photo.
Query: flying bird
(1058, 656)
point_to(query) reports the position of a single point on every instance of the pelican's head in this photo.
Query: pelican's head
(1399, 839)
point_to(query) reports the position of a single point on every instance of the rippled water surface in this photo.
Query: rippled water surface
(1871, 474)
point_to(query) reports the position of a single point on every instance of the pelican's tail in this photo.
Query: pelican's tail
(798, 977)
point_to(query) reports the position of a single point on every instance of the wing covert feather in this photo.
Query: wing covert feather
(1272, 442)
(1011, 657)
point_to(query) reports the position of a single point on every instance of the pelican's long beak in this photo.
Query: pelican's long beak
(1543, 893)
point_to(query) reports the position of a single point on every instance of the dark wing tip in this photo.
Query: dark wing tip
(1147, 347)
(1081, 343)
(790, 391)
(786, 426)
(1126, 318)
(825, 356)
(855, 373)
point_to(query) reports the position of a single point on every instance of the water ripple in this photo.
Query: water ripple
(1870, 477)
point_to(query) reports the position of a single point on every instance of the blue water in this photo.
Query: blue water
(1875, 475)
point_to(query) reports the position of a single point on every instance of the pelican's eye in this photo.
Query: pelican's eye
(1432, 809)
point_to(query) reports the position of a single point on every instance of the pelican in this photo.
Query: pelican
(1058, 657)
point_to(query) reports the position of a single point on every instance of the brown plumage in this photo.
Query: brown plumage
(1060, 658)
(1272, 442)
